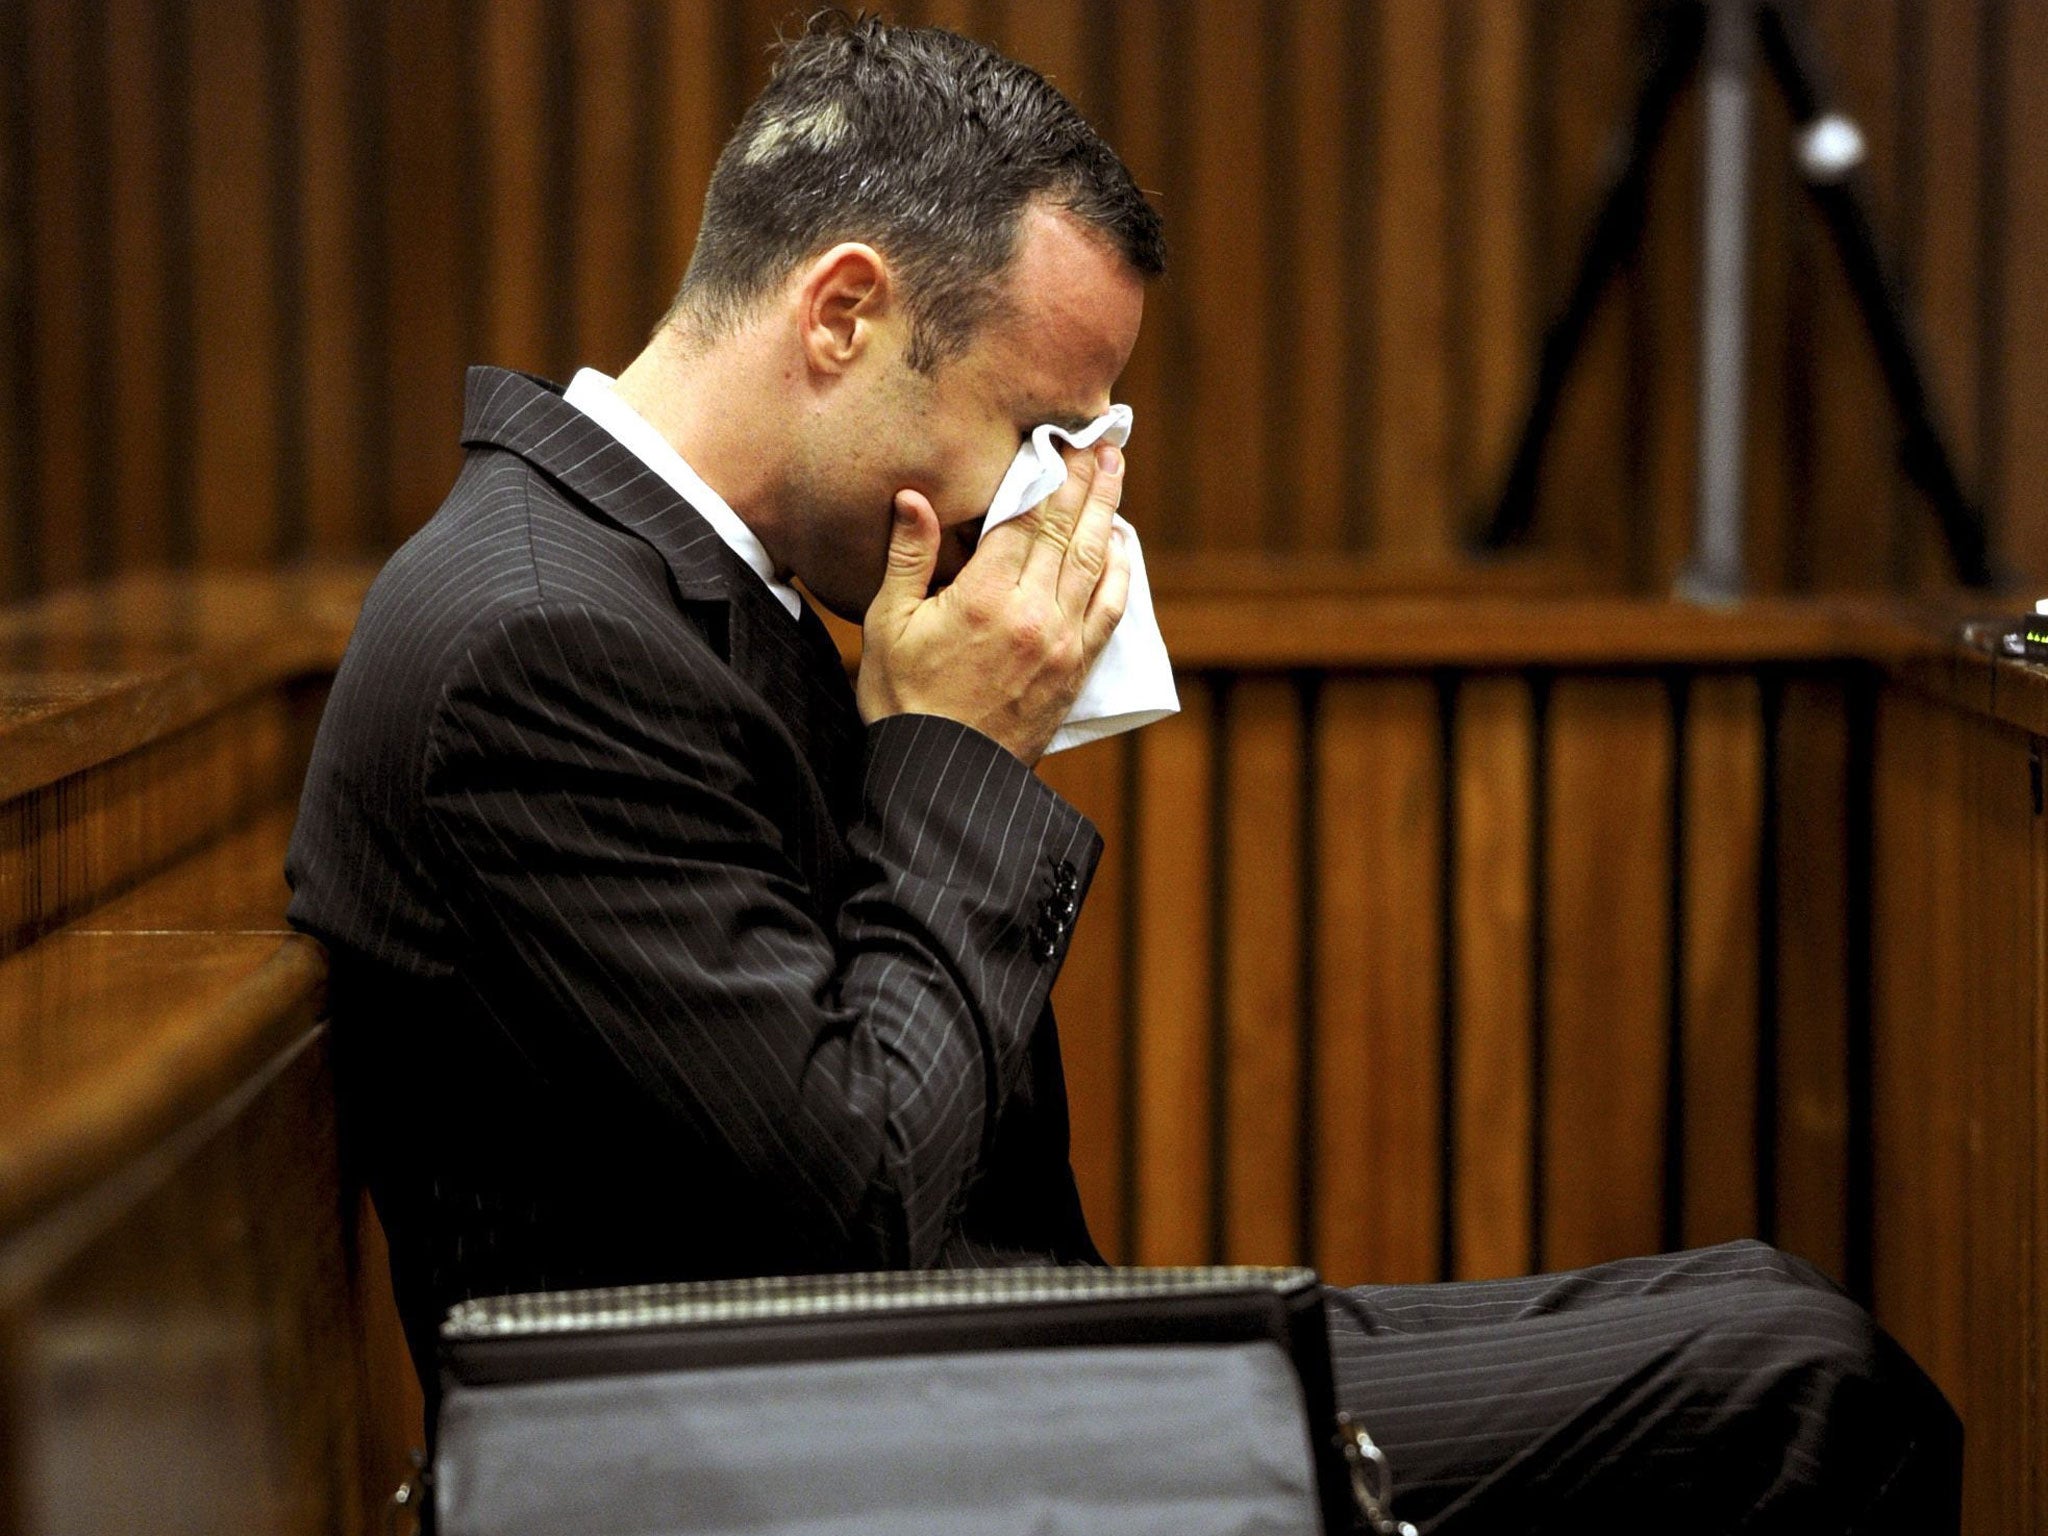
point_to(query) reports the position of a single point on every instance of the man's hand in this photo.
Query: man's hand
(1006, 647)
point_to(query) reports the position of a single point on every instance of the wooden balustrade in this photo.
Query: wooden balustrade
(1436, 936)
(196, 1330)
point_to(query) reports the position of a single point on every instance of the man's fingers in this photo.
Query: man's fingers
(1087, 554)
(1053, 520)
(1106, 606)
(913, 554)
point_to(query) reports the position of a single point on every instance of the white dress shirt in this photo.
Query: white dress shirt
(592, 393)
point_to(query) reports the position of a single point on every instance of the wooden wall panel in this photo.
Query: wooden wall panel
(1851, 484)
(520, 324)
(2016, 427)
(1158, 467)
(1723, 818)
(611, 182)
(239, 383)
(1955, 1056)
(422, 54)
(1492, 920)
(139, 374)
(1262, 995)
(1315, 509)
(334, 291)
(1225, 273)
(1492, 209)
(1605, 957)
(698, 108)
(1813, 1005)
(1587, 503)
(1943, 156)
(2004, 1249)
(60, 393)
(1172, 946)
(1092, 998)
(18, 529)
(2035, 1340)
(1409, 427)
(306, 218)
(1378, 1056)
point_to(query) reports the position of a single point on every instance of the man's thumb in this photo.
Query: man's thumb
(913, 555)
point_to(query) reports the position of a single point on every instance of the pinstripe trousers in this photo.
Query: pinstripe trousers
(1725, 1389)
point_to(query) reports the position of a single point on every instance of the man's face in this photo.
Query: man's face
(1051, 354)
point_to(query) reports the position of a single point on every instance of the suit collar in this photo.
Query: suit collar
(791, 663)
(528, 416)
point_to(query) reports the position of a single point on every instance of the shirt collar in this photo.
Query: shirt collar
(592, 393)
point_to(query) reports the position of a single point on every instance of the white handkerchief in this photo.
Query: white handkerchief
(1131, 683)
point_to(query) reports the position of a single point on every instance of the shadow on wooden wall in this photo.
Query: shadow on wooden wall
(246, 248)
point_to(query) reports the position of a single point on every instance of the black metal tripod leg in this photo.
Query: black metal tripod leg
(1671, 53)
(1838, 196)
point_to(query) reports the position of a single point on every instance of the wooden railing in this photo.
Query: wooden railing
(1439, 935)
(196, 1330)
(1456, 937)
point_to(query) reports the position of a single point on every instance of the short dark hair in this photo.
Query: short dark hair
(926, 145)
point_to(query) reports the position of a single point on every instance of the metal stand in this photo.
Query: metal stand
(1828, 150)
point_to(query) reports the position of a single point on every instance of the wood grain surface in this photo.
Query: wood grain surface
(256, 243)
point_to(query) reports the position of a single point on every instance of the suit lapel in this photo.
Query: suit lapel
(791, 663)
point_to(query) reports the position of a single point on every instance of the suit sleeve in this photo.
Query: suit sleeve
(602, 810)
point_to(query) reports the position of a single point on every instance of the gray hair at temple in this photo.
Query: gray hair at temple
(922, 143)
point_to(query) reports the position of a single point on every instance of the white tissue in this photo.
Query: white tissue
(1131, 683)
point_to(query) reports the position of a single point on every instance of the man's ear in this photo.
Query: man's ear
(842, 297)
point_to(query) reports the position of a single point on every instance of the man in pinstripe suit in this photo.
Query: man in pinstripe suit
(660, 952)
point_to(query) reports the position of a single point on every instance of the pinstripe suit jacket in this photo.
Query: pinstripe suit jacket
(650, 959)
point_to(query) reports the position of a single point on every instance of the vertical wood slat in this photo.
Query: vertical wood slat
(1262, 967)
(1090, 996)
(2021, 452)
(141, 369)
(422, 279)
(1379, 778)
(2035, 1335)
(1499, 291)
(1723, 815)
(1584, 500)
(1052, 37)
(1775, 351)
(607, 204)
(697, 112)
(1142, 93)
(1848, 504)
(1664, 357)
(1955, 1069)
(237, 379)
(1224, 276)
(1917, 1106)
(1999, 1007)
(60, 403)
(1813, 972)
(1411, 431)
(337, 389)
(514, 124)
(1946, 256)
(1607, 898)
(17, 575)
(1494, 1090)
(1171, 972)
(1318, 408)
